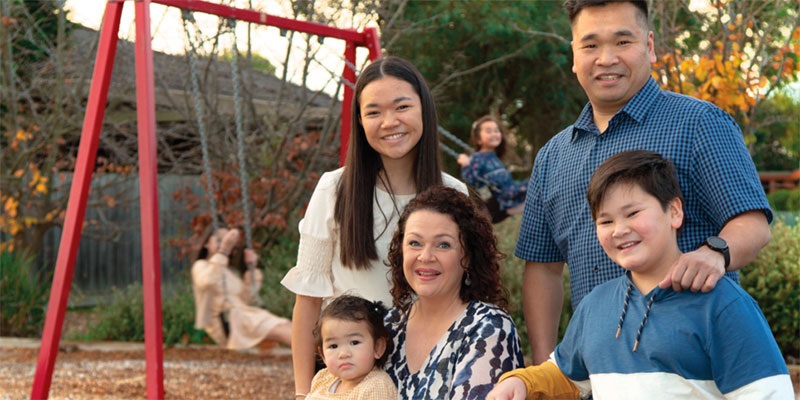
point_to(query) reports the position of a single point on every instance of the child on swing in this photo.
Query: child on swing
(484, 168)
(221, 284)
(630, 339)
(352, 341)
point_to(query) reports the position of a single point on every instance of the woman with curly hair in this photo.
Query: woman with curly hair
(452, 334)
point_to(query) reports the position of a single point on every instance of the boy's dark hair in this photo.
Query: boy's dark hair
(573, 7)
(646, 169)
(356, 309)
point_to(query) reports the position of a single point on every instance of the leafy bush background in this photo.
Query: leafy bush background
(785, 200)
(23, 296)
(773, 279)
(123, 318)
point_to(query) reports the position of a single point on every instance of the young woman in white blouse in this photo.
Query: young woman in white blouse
(345, 233)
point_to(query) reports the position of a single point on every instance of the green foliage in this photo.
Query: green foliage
(276, 260)
(785, 200)
(513, 268)
(123, 319)
(23, 296)
(777, 136)
(507, 232)
(773, 279)
(258, 62)
(479, 57)
(37, 45)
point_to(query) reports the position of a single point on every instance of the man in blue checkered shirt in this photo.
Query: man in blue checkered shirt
(727, 214)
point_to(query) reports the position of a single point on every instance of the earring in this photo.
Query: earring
(467, 280)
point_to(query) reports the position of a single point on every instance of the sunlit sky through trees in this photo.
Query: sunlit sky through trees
(169, 37)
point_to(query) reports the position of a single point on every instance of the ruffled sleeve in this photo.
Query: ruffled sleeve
(312, 275)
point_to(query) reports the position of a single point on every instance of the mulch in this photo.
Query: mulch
(190, 372)
(105, 371)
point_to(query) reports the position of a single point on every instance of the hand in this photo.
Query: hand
(463, 160)
(229, 241)
(250, 257)
(699, 270)
(510, 389)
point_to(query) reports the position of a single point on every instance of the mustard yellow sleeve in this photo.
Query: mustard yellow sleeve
(544, 381)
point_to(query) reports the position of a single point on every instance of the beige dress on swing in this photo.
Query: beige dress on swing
(248, 325)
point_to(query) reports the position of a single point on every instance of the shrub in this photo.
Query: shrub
(123, 319)
(513, 269)
(23, 296)
(785, 200)
(276, 260)
(773, 279)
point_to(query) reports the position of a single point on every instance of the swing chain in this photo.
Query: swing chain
(248, 231)
(199, 111)
(455, 139)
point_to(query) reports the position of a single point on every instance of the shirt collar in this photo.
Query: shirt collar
(636, 108)
(657, 292)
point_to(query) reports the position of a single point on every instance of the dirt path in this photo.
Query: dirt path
(117, 372)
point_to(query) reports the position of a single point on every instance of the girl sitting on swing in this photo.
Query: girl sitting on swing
(221, 282)
(484, 168)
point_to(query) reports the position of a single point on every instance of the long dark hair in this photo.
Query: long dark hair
(477, 239)
(235, 259)
(356, 191)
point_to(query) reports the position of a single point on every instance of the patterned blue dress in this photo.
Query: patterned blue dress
(466, 362)
(486, 169)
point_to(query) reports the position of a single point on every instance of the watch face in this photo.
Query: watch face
(716, 242)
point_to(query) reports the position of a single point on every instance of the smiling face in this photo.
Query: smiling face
(391, 114)
(612, 51)
(349, 350)
(490, 136)
(636, 232)
(433, 259)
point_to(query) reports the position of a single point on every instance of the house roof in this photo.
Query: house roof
(173, 84)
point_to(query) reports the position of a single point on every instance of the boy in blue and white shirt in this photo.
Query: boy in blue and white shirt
(630, 339)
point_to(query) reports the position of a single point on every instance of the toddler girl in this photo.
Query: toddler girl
(352, 341)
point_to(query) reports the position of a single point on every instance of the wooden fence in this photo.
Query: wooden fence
(110, 251)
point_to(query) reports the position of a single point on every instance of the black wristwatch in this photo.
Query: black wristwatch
(719, 244)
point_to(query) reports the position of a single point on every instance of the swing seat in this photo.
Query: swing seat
(497, 215)
(489, 204)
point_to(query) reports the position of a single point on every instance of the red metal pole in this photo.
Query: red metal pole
(148, 200)
(349, 77)
(373, 42)
(76, 207)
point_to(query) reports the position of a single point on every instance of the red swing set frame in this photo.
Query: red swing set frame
(145, 112)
